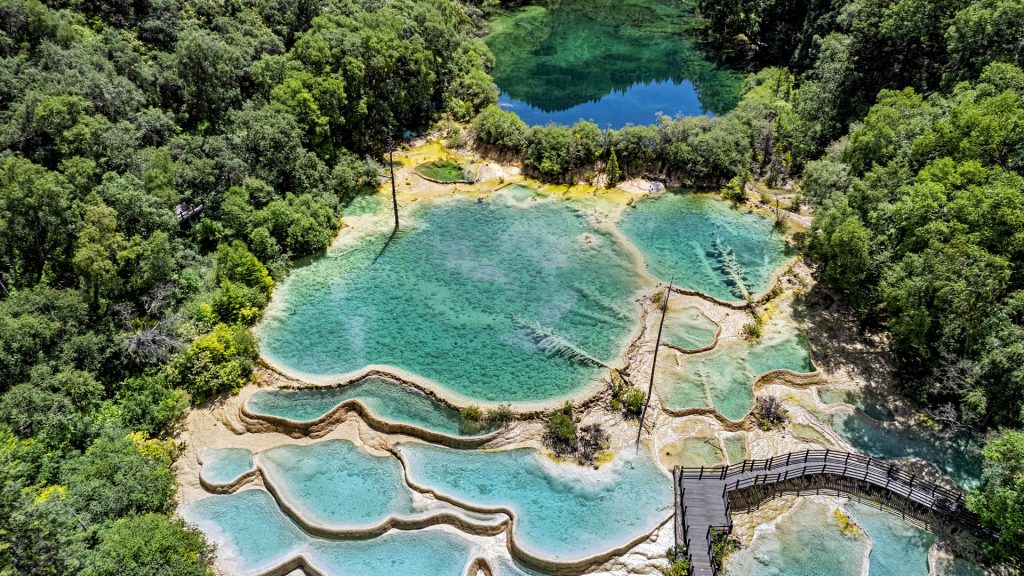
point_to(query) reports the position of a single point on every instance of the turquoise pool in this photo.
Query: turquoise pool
(336, 484)
(493, 301)
(706, 245)
(563, 512)
(225, 465)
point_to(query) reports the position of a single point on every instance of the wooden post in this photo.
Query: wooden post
(654, 365)
(391, 164)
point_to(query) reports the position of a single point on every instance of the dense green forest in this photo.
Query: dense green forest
(118, 119)
(901, 121)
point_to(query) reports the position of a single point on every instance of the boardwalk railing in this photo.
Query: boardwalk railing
(725, 531)
(847, 464)
(748, 484)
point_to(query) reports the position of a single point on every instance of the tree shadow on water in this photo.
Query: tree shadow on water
(391, 237)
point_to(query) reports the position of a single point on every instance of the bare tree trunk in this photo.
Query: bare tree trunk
(394, 192)
(654, 362)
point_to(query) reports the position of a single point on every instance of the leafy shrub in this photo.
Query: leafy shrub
(633, 400)
(150, 545)
(734, 191)
(722, 546)
(220, 361)
(752, 331)
(560, 431)
(500, 416)
(471, 414)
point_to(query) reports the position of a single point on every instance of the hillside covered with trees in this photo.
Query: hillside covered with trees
(164, 162)
(119, 122)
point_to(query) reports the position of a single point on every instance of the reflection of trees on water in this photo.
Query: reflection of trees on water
(580, 51)
(958, 457)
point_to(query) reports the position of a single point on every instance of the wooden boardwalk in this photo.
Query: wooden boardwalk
(707, 496)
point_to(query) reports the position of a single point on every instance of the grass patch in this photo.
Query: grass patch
(444, 171)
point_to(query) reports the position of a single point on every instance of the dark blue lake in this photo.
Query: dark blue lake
(614, 62)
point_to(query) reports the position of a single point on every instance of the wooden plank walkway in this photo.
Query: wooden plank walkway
(705, 496)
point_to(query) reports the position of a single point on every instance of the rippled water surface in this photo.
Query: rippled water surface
(493, 301)
(563, 511)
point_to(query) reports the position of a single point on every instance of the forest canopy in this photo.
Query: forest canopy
(162, 163)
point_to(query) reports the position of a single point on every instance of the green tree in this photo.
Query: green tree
(114, 478)
(39, 216)
(984, 32)
(614, 173)
(150, 545)
(1000, 500)
(98, 250)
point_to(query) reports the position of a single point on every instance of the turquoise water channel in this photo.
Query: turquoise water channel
(563, 512)
(495, 302)
(387, 399)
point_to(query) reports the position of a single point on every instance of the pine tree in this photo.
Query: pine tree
(613, 169)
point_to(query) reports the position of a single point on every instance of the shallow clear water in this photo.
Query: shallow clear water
(362, 204)
(873, 405)
(958, 458)
(898, 548)
(736, 447)
(791, 352)
(252, 534)
(706, 245)
(493, 301)
(808, 541)
(688, 328)
(808, 434)
(335, 483)
(726, 374)
(702, 452)
(517, 193)
(612, 62)
(387, 399)
(961, 567)
(225, 465)
(811, 540)
(563, 511)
